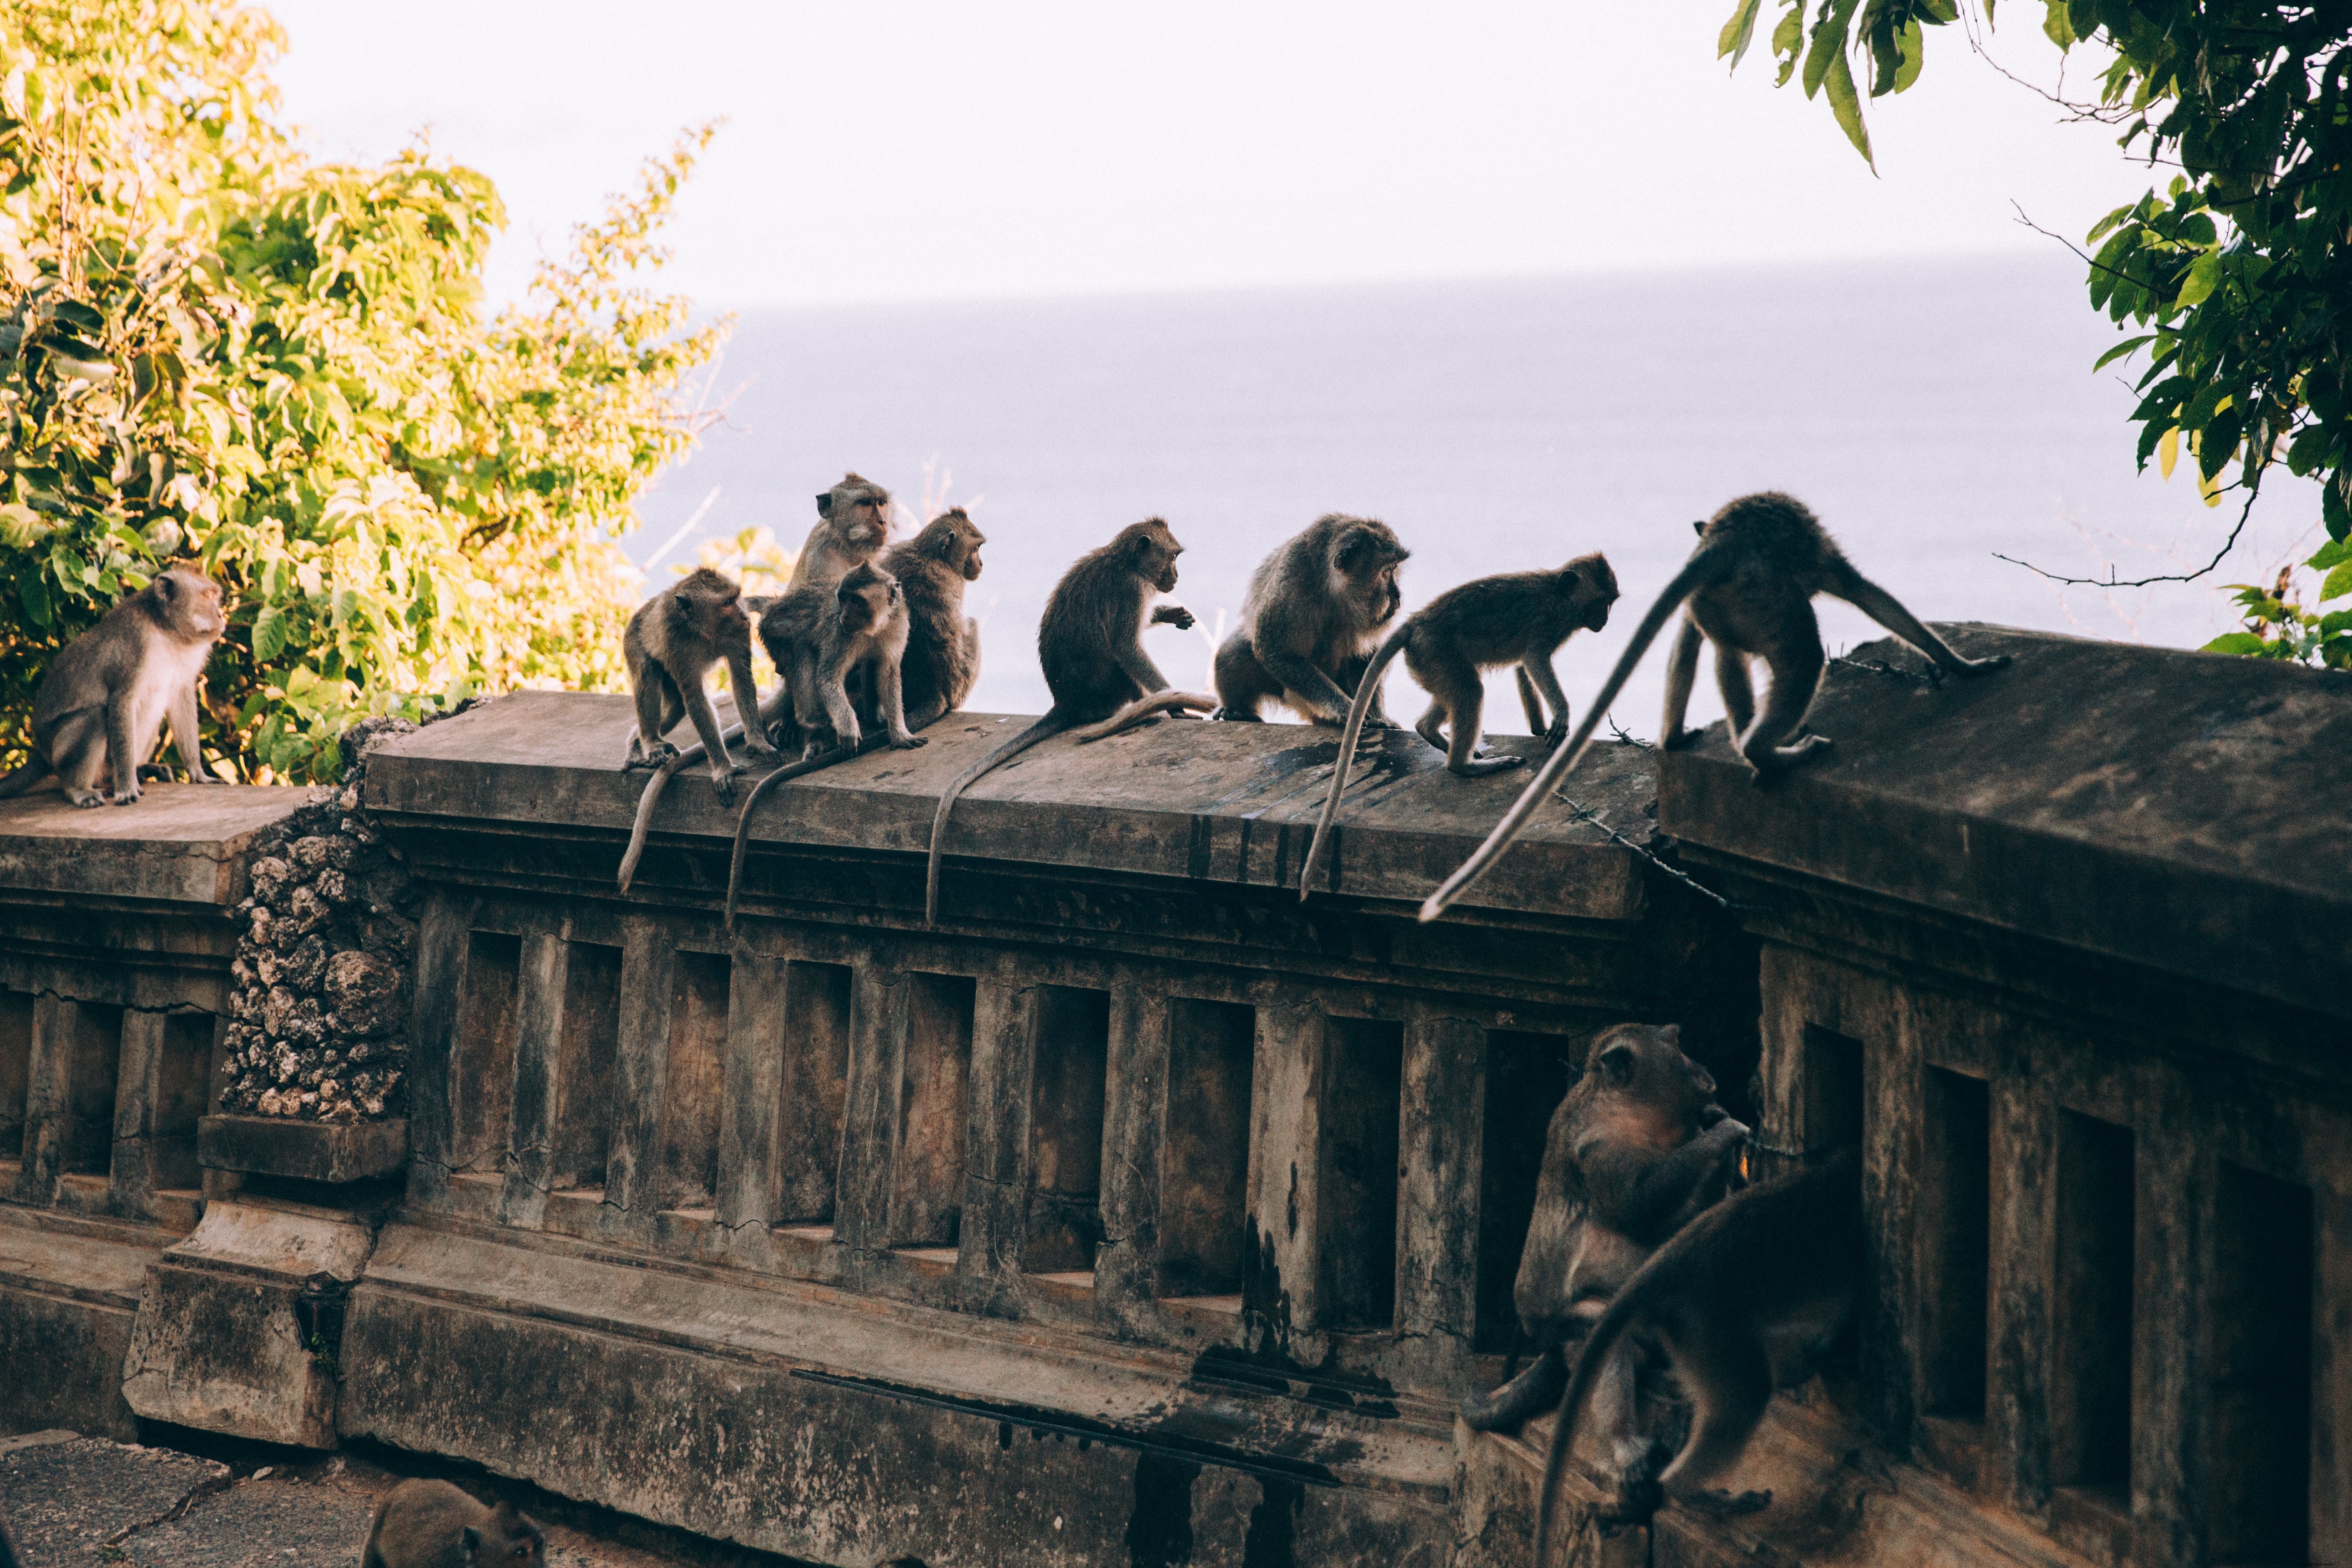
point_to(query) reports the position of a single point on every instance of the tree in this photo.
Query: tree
(212, 346)
(2240, 269)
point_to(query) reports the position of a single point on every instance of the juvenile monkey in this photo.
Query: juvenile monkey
(1091, 645)
(1746, 1298)
(432, 1525)
(1308, 621)
(852, 524)
(817, 636)
(1750, 584)
(672, 641)
(108, 693)
(1637, 1150)
(1521, 619)
(942, 656)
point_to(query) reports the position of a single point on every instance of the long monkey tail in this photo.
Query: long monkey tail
(806, 765)
(19, 780)
(1597, 1345)
(1044, 729)
(654, 788)
(1142, 708)
(1686, 581)
(1366, 690)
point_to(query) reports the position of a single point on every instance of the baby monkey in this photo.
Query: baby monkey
(432, 1525)
(1520, 618)
(817, 638)
(103, 703)
(1091, 644)
(671, 644)
(1751, 585)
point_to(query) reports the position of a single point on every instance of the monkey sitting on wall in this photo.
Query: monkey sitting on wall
(671, 644)
(1637, 1150)
(432, 1525)
(1520, 618)
(1747, 1297)
(1091, 644)
(852, 524)
(108, 692)
(942, 658)
(1308, 621)
(1750, 584)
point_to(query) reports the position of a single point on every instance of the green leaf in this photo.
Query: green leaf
(2120, 350)
(2236, 642)
(1915, 55)
(2337, 584)
(269, 632)
(2335, 552)
(1737, 32)
(1846, 104)
(1828, 43)
(2203, 273)
(34, 593)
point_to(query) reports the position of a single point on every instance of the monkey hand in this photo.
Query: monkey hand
(724, 784)
(127, 797)
(1676, 742)
(1175, 616)
(907, 743)
(1555, 733)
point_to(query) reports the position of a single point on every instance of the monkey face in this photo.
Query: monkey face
(1647, 1067)
(194, 603)
(972, 564)
(1365, 555)
(1156, 552)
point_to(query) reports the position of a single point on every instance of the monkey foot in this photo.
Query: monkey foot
(1718, 1503)
(1636, 1500)
(1236, 716)
(1680, 739)
(1479, 767)
(92, 798)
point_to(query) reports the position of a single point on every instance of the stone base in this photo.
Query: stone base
(309, 1150)
(68, 1289)
(239, 1326)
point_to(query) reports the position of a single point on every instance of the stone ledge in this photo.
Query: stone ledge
(2180, 810)
(178, 844)
(312, 1150)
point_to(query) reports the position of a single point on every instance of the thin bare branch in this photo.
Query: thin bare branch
(2111, 581)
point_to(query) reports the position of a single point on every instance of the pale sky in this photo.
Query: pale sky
(898, 150)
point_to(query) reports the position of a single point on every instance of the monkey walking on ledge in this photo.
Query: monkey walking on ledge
(104, 701)
(1091, 645)
(1750, 584)
(1518, 618)
(1745, 1299)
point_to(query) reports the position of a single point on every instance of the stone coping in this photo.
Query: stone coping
(2188, 811)
(1229, 803)
(312, 1150)
(179, 843)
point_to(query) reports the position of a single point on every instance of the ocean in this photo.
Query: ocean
(1933, 413)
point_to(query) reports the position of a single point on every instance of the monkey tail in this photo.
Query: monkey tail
(806, 765)
(1142, 708)
(1631, 1301)
(654, 788)
(1044, 729)
(1695, 571)
(19, 780)
(1366, 690)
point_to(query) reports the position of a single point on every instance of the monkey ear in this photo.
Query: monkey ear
(1699, 527)
(1568, 580)
(1617, 1061)
(1673, 1032)
(825, 504)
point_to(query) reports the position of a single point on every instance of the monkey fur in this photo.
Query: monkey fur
(1636, 1150)
(1750, 584)
(1309, 620)
(853, 524)
(432, 1525)
(1746, 1297)
(108, 692)
(671, 643)
(942, 658)
(817, 638)
(1091, 645)
(1520, 618)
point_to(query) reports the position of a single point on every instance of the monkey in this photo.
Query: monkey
(108, 692)
(1750, 584)
(1636, 1150)
(1521, 619)
(432, 1525)
(1309, 621)
(1746, 1297)
(671, 643)
(852, 524)
(1090, 643)
(817, 635)
(942, 658)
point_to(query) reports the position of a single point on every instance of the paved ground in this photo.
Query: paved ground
(83, 1500)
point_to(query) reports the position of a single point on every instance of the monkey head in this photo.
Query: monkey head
(1591, 588)
(952, 540)
(1656, 1093)
(1365, 555)
(188, 605)
(712, 606)
(859, 510)
(867, 596)
(1151, 550)
(507, 1539)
